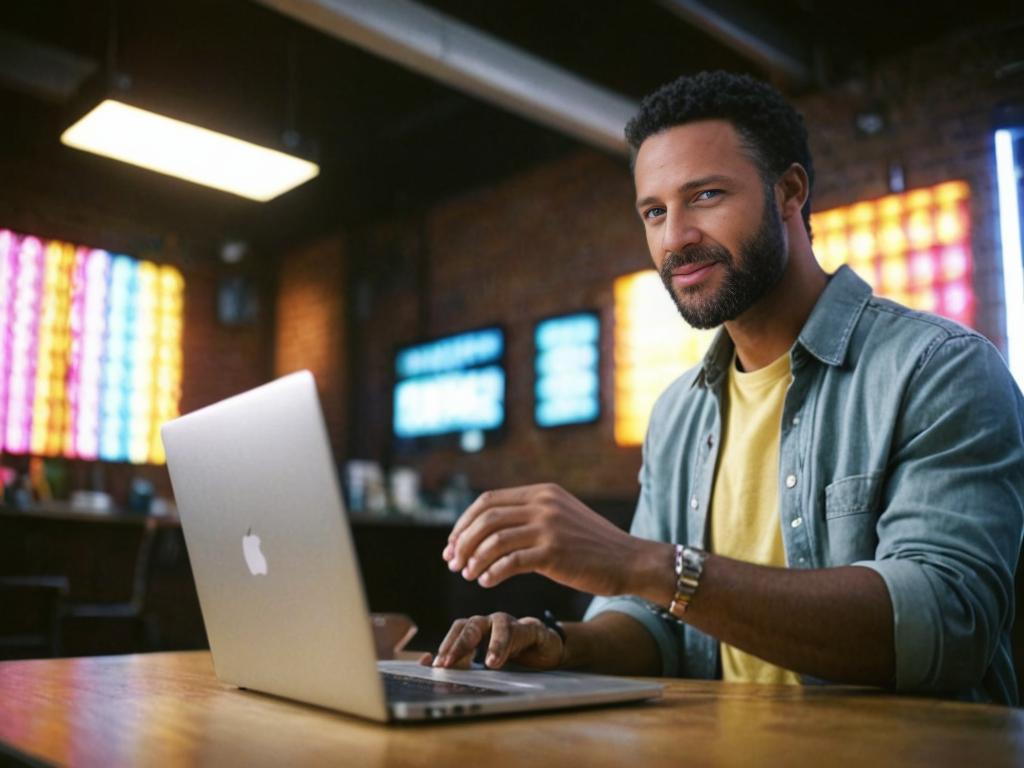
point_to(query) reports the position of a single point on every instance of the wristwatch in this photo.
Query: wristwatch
(689, 567)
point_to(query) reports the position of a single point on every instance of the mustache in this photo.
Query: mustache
(695, 254)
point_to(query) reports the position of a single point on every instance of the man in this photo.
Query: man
(836, 493)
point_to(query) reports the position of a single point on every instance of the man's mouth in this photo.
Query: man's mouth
(689, 269)
(689, 275)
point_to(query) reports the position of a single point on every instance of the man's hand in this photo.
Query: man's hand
(525, 641)
(544, 529)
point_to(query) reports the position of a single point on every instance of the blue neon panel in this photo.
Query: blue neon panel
(567, 389)
(450, 385)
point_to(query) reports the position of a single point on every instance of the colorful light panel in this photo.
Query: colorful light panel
(652, 347)
(914, 248)
(567, 387)
(91, 351)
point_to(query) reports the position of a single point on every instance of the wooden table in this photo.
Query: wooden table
(169, 709)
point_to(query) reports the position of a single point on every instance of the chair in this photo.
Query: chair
(30, 617)
(114, 627)
(170, 608)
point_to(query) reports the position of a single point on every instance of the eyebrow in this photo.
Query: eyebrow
(688, 186)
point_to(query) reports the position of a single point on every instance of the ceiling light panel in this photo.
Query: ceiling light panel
(180, 149)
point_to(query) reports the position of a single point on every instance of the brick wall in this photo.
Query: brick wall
(553, 239)
(310, 328)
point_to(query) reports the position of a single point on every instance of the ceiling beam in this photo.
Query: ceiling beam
(462, 57)
(749, 34)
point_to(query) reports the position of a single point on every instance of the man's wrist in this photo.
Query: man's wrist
(652, 575)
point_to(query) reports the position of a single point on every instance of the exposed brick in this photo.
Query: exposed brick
(310, 326)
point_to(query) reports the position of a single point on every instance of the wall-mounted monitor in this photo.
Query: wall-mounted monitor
(451, 385)
(567, 369)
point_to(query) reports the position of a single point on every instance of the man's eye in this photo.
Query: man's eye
(653, 213)
(708, 194)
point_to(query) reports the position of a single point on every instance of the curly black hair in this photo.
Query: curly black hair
(769, 127)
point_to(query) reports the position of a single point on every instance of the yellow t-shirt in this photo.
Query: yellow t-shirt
(745, 506)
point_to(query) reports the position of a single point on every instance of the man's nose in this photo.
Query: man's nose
(678, 233)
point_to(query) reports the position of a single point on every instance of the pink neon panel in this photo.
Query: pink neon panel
(7, 271)
(24, 343)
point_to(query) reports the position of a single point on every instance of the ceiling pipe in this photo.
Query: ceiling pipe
(437, 46)
(747, 33)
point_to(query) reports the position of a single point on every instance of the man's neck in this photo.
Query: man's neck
(768, 329)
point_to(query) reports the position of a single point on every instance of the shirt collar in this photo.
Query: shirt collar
(717, 360)
(826, 334)
(828, 330)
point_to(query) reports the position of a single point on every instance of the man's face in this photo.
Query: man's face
(712, 226)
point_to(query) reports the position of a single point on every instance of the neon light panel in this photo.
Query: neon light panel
(652, 347)
(449, 385)
(568, 380)
(914, 248)
(90, 356)
(1013, 269)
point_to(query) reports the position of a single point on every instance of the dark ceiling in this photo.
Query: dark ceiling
(387, 139)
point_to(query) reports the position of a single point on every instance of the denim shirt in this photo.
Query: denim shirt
(901, 450)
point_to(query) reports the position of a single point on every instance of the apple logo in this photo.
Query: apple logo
(253, 556)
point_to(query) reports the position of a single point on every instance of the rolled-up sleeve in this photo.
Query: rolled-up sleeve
(949, 534)
(663, 633)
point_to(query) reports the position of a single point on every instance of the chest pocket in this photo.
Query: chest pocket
(851, 513)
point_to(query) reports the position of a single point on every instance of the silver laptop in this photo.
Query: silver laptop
(279, 584)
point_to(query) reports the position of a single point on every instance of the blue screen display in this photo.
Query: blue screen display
(450, 385)
(568, 377)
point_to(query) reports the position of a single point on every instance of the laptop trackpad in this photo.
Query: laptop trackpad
(479, 676)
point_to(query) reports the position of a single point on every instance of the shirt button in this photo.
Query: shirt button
(796, 522)
(791, 481)
(803, 560)
(693, 503)
(796, 420)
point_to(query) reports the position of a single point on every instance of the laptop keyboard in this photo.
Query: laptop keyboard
(402, 688)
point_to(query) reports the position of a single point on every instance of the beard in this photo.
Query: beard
(759, 269)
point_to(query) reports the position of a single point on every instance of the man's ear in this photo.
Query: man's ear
(792, 190)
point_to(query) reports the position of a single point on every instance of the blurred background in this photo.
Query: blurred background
(464, 274)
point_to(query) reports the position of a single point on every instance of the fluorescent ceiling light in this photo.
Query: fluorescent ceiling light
(1013, 268)
(187, 151)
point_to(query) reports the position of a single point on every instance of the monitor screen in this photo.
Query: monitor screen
(450, 385)
(567, 389)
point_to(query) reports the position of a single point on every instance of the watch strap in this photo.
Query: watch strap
(689, 566)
